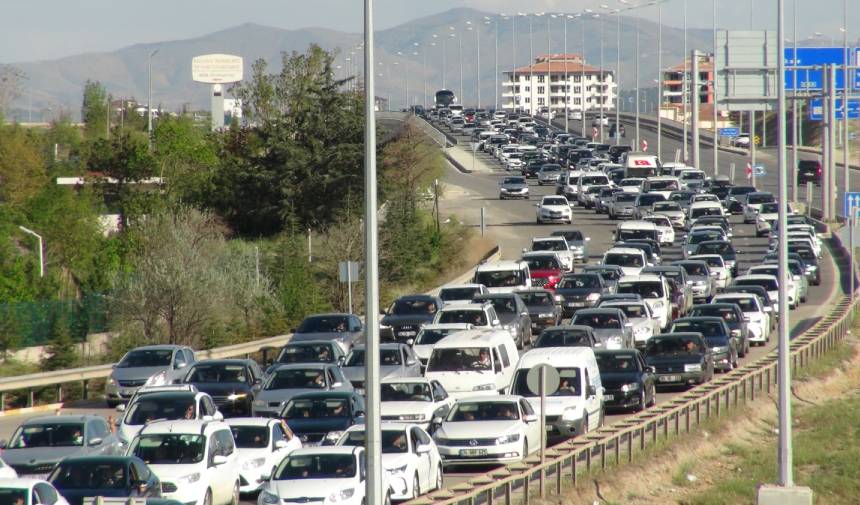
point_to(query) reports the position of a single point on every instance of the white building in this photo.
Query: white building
(584, 88)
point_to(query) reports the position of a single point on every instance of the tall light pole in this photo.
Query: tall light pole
(477, 29)
(149, 105)
(601, 78)
(531, 67)
(795, 132)
(549, 17)
(618, 77)
(685, 91)
(487, 21)
(659, 78)
(714, 101)
(638, 57)
(845, 138)
(566, 78)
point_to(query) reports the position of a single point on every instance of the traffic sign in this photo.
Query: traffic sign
(852, 202)
(729, 132)
(816, 109)
(809, 79)
(644, 145)
(551, 379)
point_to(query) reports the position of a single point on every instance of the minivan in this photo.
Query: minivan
(473, 362)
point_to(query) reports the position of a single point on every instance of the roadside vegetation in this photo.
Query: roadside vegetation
(218, 251)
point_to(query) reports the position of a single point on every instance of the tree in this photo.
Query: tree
(61, 352)
(22, 169)
(185, 156)
(95, 109)
(126, 159)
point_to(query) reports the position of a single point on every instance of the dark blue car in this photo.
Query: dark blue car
(320, 418)
(110, 476)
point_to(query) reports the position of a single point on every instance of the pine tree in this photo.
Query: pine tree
(61, 352)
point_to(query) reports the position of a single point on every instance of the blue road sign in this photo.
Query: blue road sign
(852, 201)
(816, 109)
(729, 132)
(759, 171)
(808, 79)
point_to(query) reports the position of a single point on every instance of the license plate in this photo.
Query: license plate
(608, 397)
(575, 304)
(550, 428)
(408, 333)
(473, 452)
(359, 391)
(670, 378)
(40, 476)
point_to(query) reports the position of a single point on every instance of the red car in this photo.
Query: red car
(545, 268)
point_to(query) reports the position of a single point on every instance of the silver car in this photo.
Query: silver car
(622, 205)
(699, 279)
(395, 361)
(142, 363)
(513, 187)
(286, 381)
(644, 324)
(610, 326)
(345, 329)
(549, 174)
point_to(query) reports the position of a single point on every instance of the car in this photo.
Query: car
(720, 221)
(395, 360)
(140, 364)
(692, 179)
(504, 276)
(461, 293)
(809, 171)
(621, 205)
(609, 325)
(231, 383)
(586, 181)
(406, 315)
(542, 307)
(769, 283)
(513, 315)
(553, 209)
(513, 187)
(545, 268)
(705, 207)
(196, 461)
(576, 241)
(672, 211)
(261, 444)
(164, 403)
(654, 290)
(287, 381)
(630, 260)
(644, 202)
(757, 319)
(699, 279)
(810, 260)
(765, 219)
(628, 383)
(567, 336)
(665, 228)
(610, 273)
(697, 236)
(578, 291)
(682, 198)
(429, 334)
(29, 491)
(482, 430)
(309, 351)
(643, 323)
(476, 361)
(320, 418)
(663, 185)
(721, 273)
(650, 247)
(409, 456)
(479, 315)
(556, 244)
(40, 442)
(80, 477)
(331, 474)
(798, 277)
(680, 359)
(752, 203)
(733, 199)
(682, 302)
(413, 400)
(734, 318)
(549, 174)
(603, 198)
(345, 329)
(717, 337)
(792, 287)
(742, 140)
(632, 185)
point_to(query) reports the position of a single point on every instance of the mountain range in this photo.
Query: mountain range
(57, 85)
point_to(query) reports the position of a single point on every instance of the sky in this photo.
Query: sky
(48, 29)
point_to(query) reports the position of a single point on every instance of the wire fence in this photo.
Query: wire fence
(27, 324)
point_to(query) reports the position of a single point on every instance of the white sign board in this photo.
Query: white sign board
(217, 68)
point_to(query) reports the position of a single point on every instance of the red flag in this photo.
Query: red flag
(749, 170)
(644, 145)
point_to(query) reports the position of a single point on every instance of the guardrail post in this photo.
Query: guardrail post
(30, 397)
(768, 380)
(654, 433)
(85, 389)
(59, 393)
(630, 447)
(708, 408)
(665, 428)
(490, 497)
(2, 401)
(558, 478)
(618, 451)
(588, 460)
(677, 423)
(752, 388)
(573, 459)
(526, 489)
(687, 418)
(508, 493)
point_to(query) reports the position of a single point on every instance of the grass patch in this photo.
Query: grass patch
(830, 360)
(679, 478)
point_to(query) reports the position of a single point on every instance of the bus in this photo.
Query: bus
(444, 98)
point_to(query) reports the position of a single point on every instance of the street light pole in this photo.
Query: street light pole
(549, 67)
(659, 78)
(601, 79)
(846, 184)
(684, 89)
(618, 78)
(149, 105)
(714, 101)
(531, 68)
(496, 58)
(41, 248)
(636, 137)
(566, 82)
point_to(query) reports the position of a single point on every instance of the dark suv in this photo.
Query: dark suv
(809, 171)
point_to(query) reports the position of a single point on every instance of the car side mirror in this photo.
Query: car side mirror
(768, 309)
(496, 322)
(411, 362)
(422, 449)
(142, 486)
(530, 418)
(650, 369)
(95, 441)
(341, 360)
(628, 325)
(588, 239)
(180, 365)
(120, 407)
(497, 367)
(337, 384)
(359, 413)
(292, 330)
(219, 459)
(437, 421)
(281, 444)
(3, 444)
(258, 381)
(218, 416)
(591, 390)
(410, 341)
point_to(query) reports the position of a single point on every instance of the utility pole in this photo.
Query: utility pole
(685, 88)
(582, 74)
(601, 80)
(694, 74)
(636, 60)
(566, 78)
(714, 101)
(795, 133)
(659, 78)
(618, 78)
(149, 105)
(846, 183)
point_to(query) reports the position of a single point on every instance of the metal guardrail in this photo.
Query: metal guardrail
(616, 444)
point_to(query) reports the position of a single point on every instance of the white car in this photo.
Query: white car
(461, 293)
(558, 245)
(665, 229)
(631, 260)
(429, 334)
(631, 184)
(673, 211)
(639, 314)
(484, 430)
(765, 218)
(792, 287)
(409, 456)
(479, 315)
(554, 209)
(770, 283)
(261, 444)
(164, 403)
(320, 475)
(758, 320)
(654, 290)
(721, 274)
(6, 471)
(413, 400)
(196, 461)
(32, 491)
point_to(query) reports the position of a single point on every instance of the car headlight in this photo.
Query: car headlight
(268, 498)
(695, 367)
(633, 386)
(398, 470)
(111, 381)
(508, 439)
(547, 315)
(484, 387)
(189, 479)
(593, 297)
(412, 417)
(736, 333)
(642, 330)
(236, 396)
(342, 495)
(719, 349)
(259, 403)
(332, 436)
(383, 326)
(253, 463)
(570, 414)
(657, 305)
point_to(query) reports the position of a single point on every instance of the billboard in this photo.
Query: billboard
(746, 70)
(811, 79)
(217, 68)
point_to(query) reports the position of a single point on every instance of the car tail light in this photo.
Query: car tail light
(551, 281)
(818, 171)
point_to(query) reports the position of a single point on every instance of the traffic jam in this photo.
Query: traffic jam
(669, 304)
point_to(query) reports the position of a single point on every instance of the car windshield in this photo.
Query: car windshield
(681, 197)
(48, 435)
(406, 392)
(555, 201)
(431, 336)
(448, 294)
(659, 220)
(484, 411)
(704, 236)
(806, 253)
(251, 437)
(463, 316)
(540, 299)
(500, 278)
(387, 357)
(588, 181)
(457, 360)
(563, 338)
(86, 475)
(608, 274)
(323, 324)
(649, 199)
(569, 383)
(204, 373)
(728, 314)
(632, 310)
(672, 346)
(169, 448)
(542, 262)
(316, 408)
(569, 235)
(307, 353)
(663, 185)
(168, 407)
(597, 321)
(146, 358)
(513, 180)
(763, 198)
(692, 175)
(630, 182)
(635, 234)
(616, 362)
(706, 328)
(768, 284)
(712, 261)
(502, 304)
(580, 282)
(624, 197)
(14, 495)
(746, 304)
(643, 289)
(696, 269)
(297, 378)
(316, 466)
(412, 307)
(722, 248)
(549, 168)
(548, 245)
(393, 441)
(666, 206)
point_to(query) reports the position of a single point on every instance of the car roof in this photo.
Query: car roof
(641, 278)
(500, 265)
(562, 327)
(251, 421)
(180, 426)
(462, 306)
(624, 250)
(99, 458)
(158, 347)
(490, 398)
(301, 366)
(326, 449)
(447, 326)
(597, 310)
(476, 336)
(553, 356)
(224, 361)
(61, 419)
(467, 285)
(757, 277)
(326, 394)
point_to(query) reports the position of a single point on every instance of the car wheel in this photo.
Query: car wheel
(439, 478)
(112, 404)
(207, 500)
(642, 400)
(537, 220)
(234, 498)
(653, 396)
(416, 487)
(525, 449)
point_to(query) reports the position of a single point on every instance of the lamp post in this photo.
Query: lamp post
(531, 68)
(714, 102)
(149, 105)
(487, 21)
(549, 17)
(618, 78)
(566, 78)
(684, 89)
(846, 183)
(601, 79)
(41, 248)
(659, 78)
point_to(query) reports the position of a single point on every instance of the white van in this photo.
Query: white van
(637, 230)
(503, 276)
(701, 209)
(641, 165)
(473, 362)
(577, 407)
(663, 185)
